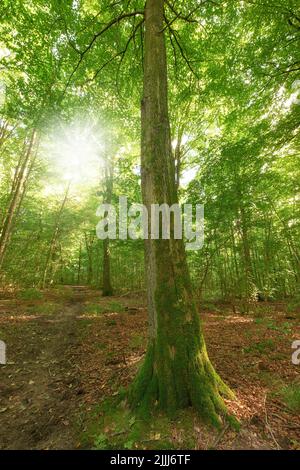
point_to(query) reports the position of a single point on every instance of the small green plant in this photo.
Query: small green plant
(84, 323)
(271, 380)
(260, 347)
(30, 294)
(208, 306)
(47, 308)
(285, 328)
(260, 311)
(129, 445)
(100, 442)
(294, 305)
(63, 293)
(291, 396)
(136, 341)
(94, 309)
(116, 306)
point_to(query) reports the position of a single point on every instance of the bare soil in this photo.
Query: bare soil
(71, 349)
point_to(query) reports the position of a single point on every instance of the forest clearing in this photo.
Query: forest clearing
(149, 227)
(72, 351)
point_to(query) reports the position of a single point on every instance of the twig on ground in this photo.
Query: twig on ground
(268, 425)
(214, 444)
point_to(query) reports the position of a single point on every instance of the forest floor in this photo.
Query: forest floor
(69, 352)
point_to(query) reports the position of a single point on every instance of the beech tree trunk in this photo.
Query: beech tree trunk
(54, 238)
(89, 238)
(249, 273)
(107, 286)
(79, 264)
(176, 372)
(17, 192)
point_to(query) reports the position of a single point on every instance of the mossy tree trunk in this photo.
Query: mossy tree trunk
(176, 372)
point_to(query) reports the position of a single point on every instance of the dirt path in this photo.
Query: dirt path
(40, 386)
(72, 348)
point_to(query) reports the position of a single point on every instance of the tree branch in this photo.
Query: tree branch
(187, 18)
(135, 29)
(96, 36)
(174, 32)
(118, 54)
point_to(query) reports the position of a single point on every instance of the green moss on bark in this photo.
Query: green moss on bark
(177, 372)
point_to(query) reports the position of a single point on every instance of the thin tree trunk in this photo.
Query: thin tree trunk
(107, 289)
(249, 277)
(5, 132)
(79, 265)
(19, 186)
(54, 237)
(89, 247)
